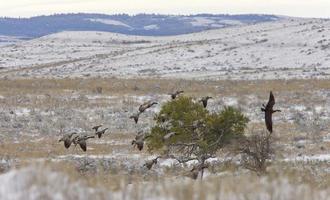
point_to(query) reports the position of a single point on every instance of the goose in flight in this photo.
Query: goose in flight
(145, 106)
(96, 128)
(151, 163)
(135, 117)
(268, 110)
(139, 140)
(81, 140)
(204, 100)
(175, 94)
(100, 133)
(67, 139)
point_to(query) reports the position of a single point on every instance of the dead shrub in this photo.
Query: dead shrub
(256, 150)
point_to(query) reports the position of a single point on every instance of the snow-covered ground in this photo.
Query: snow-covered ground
(7, 40)
(287, 48)
(290, 48)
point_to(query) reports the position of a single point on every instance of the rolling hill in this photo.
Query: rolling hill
(142, 24)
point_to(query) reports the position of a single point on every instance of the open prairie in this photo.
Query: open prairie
(36, 112)
(71, 81)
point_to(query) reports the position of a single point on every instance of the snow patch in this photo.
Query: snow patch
(320, 157)
(230, 101)
(202, 21)
(231, 22)
(22, 112)
(151, 27)
(110, 22)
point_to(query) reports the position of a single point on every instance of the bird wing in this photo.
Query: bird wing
(99, 134)
(271, 101)
(268, 121)
(67, 143)
(140, 136)
(74, 133)
(140, 146)
(151, 104)
(96, 127)
(146, 103)
(83, 145)
(142, 108)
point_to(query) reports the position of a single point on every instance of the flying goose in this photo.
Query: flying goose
(96, 127)
(204, 100)
(150, 163)
(268, 109)
(81, 140)
(139, 140)
(67, 139)
(135, 117)
(146, 105)
(100, 133)
(175, 94)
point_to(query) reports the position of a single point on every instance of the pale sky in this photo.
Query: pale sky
(298, 8)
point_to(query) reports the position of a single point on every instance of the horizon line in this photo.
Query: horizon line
(148, 13)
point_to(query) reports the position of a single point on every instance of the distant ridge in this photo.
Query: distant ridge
(141, 24)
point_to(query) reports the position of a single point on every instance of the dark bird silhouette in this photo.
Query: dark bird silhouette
(81, 140)
(96, 128)
(145, 106)
(175, 94)
(67, 139)
(151, 163)
(204, 100)
(135, 117)
(100, 133)
(139, 140)
(268, 109)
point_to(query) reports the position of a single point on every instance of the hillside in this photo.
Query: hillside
(289, 48)
(142, 24)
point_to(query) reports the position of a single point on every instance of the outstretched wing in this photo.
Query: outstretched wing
(99, 134)
(96, 127)
(269, 121)
(142, 108)
(140, 146)
(67, 143)
(83, 145)
(271, 101)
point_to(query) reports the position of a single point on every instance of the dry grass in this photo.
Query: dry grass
(116, 86)
(304, 180)
(280, 184)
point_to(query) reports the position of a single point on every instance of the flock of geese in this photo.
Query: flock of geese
(74, 138)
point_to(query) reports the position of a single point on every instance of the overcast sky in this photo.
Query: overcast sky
(299, 8)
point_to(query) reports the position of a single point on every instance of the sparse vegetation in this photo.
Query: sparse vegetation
(186, 131)
(52, 107)
(256, 151)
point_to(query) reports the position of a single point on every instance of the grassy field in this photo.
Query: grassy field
(35, 112)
